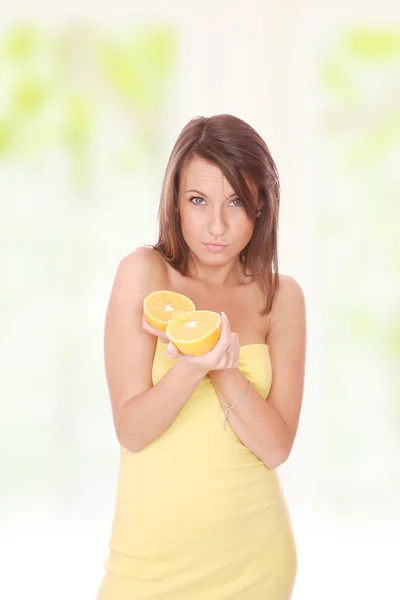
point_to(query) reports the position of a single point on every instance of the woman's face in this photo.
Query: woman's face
(211, 212)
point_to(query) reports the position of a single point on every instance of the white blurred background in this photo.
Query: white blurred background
(91, 101)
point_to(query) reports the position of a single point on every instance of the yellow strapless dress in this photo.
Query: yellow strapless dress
(198, 516)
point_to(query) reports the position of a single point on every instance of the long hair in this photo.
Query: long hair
(239, 151)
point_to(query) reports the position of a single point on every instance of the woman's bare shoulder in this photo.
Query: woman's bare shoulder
(287, 283)
(289, 298)
(147, 261)
(142, 253)
(289, 290)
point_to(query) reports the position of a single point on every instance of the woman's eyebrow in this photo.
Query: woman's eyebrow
(205, 195)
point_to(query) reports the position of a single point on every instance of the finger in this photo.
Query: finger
(145, 325)
(233, 353)
(230, 357)
(150, 329)
(172, 351)
(226, 323)
(223, 342)
(236, 346)
(163, 337)
(225, 337)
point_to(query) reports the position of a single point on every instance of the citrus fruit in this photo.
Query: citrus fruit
(195, 332)
(160, 306)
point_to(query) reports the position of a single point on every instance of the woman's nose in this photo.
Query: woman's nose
(217, 224)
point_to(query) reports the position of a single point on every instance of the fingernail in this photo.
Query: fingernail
(170, 347)
(222, 313)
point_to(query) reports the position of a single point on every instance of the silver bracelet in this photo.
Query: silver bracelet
(228, 408)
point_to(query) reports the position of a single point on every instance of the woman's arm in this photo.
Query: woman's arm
(141, 411)
(143, 418)
(268, 426)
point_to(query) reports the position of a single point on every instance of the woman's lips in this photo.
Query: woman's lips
(215, 247)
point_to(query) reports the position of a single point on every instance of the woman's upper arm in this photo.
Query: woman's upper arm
(287, 345)
(128, 349)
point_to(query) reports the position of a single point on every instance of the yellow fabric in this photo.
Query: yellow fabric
(198, 516)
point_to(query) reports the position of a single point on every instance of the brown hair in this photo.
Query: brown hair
(238, 150)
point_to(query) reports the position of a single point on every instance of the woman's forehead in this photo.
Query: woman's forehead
(200, 170)
(204, 176)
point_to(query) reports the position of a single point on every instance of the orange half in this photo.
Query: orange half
(195, 332)
(160, 306)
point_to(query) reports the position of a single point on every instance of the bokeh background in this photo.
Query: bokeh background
(92, 99)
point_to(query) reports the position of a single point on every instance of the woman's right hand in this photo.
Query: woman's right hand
(217, 358)
(150, 329)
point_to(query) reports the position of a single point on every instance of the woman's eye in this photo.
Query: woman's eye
(195, 198)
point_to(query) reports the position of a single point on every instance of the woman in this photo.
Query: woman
(200, 513)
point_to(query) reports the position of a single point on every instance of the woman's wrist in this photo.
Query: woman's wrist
(188, 369)
(218, 374)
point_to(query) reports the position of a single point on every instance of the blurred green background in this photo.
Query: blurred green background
(89, 112)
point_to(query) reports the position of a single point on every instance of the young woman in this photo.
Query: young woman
(200, 513)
